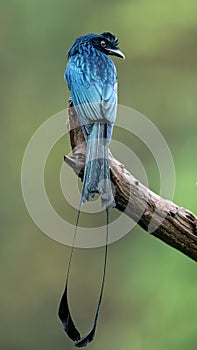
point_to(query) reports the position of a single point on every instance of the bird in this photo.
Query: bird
(91, 77)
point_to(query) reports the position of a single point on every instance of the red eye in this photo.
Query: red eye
(103, 43)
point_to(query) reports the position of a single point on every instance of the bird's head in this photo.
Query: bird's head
(108, 43)
(105, 42)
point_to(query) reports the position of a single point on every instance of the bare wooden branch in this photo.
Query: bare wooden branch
(162, 218)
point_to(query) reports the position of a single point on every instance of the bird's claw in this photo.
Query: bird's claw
(70, 102)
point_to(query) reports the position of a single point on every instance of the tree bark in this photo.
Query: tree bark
(162, 218)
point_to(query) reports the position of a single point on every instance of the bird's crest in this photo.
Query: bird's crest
(111, 38)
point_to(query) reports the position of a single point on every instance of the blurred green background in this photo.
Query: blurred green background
(150, 295)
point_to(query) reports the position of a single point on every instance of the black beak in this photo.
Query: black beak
(115, 52)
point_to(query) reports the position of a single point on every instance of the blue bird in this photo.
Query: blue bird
(92, 80)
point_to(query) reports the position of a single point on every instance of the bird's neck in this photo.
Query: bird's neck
(95, 63)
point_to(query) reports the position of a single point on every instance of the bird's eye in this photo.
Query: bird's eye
(103, 43)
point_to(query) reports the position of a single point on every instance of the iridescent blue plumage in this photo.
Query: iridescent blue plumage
(92, 80)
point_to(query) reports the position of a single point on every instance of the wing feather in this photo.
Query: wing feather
(94, 99)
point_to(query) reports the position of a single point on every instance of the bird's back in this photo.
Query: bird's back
(92, 81)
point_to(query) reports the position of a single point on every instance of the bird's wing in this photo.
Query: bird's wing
(94, 96)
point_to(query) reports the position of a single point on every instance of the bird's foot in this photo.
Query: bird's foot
(70, 102)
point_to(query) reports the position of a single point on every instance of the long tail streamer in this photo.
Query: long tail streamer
(64, 311)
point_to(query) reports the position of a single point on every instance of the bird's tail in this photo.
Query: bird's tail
(96, 180)
(97, 173)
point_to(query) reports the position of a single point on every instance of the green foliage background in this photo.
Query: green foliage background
(150, 295)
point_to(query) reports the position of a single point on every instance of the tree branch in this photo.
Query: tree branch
(162, 218)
